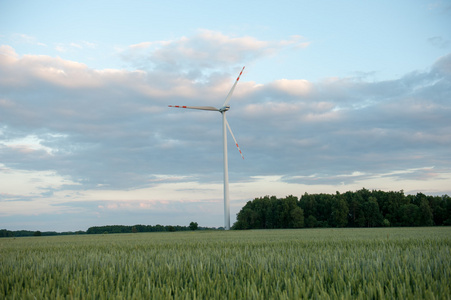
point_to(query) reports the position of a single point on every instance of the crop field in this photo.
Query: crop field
(382, 263)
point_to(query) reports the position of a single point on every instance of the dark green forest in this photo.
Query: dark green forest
(143, 228)
(362, 208)
(20, 233)
(108, 229)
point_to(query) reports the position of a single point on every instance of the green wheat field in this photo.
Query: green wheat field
(382, 263)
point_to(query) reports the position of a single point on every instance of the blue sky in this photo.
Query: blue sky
(336, 96)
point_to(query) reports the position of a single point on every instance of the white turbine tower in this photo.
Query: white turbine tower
(225, 125)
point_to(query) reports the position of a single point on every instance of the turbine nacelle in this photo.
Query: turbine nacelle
(224, 108)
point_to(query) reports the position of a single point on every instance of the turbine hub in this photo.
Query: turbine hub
(224, 108)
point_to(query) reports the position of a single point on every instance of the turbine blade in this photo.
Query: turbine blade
(233, 88)
(196, 107)
(230, 130)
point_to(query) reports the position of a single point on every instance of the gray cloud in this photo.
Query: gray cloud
(439, 42)
(112, 128)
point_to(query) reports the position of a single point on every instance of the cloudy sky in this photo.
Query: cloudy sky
(335, 96)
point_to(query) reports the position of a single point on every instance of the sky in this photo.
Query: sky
(335, 96)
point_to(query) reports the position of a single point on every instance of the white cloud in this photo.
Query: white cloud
(297, 87)
(29, 183)
(208, 50)
(27, 39)
(74, 46)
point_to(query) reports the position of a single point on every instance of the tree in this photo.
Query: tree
(290, 210)
(372, 213)
(310, 222)
(425, 217)
(270, 212)
(324, 209)
(308, 204)
(409, 215)
(447, 205)
(271, 215)
(260, 207)
(37, 233)
(246, 218)
(438, 208)
(361, 220)
(394, 212)
(6, 233)
(297, 217)
(193, 225)
(354, 202)
(340, 211)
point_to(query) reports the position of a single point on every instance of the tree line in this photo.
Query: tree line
(144, 228)
(362, 208)
(20, 233)
(108, 229)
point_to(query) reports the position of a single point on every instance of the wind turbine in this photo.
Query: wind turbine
(225, 125)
